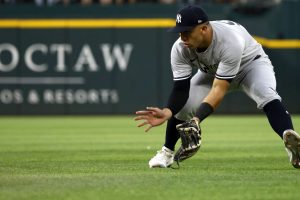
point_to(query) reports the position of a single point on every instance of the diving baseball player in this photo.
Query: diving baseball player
(227, 56)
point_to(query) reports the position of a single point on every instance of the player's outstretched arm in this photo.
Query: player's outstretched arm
(153, 116)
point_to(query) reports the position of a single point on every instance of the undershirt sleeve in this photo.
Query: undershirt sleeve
(179, 95)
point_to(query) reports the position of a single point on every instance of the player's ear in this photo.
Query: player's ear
(204, 27)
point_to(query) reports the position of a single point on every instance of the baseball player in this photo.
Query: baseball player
(227, 56)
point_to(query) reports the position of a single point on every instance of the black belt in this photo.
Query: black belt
(257, 57)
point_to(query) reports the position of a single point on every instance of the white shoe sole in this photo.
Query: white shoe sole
(292, 143)
(160, 166)
(157, 166)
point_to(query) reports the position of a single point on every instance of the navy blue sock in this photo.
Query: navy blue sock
(172, 134)
(279, 118)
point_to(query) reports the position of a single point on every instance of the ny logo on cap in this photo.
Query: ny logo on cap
(178, 18)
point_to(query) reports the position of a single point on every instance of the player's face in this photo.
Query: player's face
(195, 38)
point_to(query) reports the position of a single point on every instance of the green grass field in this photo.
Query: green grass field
(107, 158)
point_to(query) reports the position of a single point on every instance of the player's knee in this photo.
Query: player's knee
(263, 94)
(268, 95)
(184, 115)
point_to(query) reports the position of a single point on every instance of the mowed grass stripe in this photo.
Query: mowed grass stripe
(107, 158)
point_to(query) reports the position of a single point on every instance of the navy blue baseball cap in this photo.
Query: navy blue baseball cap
(189, 17)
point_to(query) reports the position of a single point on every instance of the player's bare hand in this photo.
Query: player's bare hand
(153, 116)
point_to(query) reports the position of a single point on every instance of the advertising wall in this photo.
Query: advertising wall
(80, 71)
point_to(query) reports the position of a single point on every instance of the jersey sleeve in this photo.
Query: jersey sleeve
(180, 65)
(230, 59)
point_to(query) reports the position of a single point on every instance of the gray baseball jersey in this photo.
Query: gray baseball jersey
(231, 49)
(233, 55)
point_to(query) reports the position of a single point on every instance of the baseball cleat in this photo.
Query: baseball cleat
(163, 158)
(292, 145)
